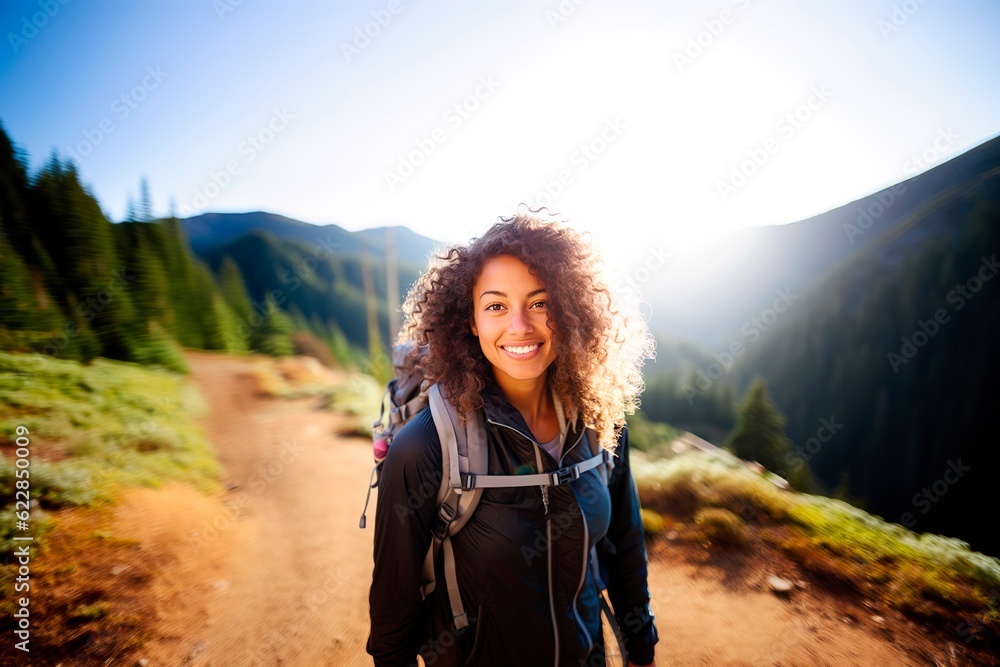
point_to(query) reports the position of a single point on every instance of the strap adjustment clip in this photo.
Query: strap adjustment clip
(446, 514)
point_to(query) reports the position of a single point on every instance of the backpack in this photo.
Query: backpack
(464, 459)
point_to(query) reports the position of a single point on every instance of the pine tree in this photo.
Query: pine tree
(272, 334)
(145, 201)
(233, 288)
(17, 305)
(13, 208)
(760, 430)
(84, 274)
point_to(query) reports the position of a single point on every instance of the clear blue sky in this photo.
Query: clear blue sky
(667, 128)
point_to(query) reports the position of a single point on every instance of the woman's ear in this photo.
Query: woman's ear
(472, 326)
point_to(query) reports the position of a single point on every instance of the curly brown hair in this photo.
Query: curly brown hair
(600, 344)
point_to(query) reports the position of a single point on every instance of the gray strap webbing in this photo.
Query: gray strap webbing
(476, 452)
(451, 489)
(451, 577)
(449, 441)
(449, 460)
(405, 412)
(554, 478)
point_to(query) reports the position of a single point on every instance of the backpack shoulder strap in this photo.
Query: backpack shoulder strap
(463, 448)
(446, 422)
(608, 463)
(468, 456)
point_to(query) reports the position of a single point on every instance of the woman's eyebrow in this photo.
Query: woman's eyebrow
(503, 295)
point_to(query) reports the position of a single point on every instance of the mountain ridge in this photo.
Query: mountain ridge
(209, 230)
(795, 254)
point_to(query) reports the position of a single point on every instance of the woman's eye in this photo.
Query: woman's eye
(537, 305)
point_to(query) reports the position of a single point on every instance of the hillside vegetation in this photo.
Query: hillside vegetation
(95, 430)
(717, 497)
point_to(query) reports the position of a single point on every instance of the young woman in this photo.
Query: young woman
(521, 327)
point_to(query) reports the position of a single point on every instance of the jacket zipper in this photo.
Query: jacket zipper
(586, 542)
(548, 557)
(548, 537)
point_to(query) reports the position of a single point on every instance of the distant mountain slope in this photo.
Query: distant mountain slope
(309, 280)
(411, 247)
(213, 229)
(741, 274)
(897, 345)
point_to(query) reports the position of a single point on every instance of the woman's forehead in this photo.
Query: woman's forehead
(507, 273)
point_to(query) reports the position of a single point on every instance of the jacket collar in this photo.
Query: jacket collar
(499, 410)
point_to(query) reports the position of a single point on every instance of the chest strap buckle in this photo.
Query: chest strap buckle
(565, 475)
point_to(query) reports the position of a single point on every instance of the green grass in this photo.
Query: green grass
(685, 483)
(924, 574)
(91, 612)
(651, 437)
(96, 429)
(358, 397)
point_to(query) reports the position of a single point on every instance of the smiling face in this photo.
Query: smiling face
(510, 313)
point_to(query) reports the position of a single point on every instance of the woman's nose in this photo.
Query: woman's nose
(519, 321)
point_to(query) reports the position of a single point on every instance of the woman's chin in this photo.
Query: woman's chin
(522, 372)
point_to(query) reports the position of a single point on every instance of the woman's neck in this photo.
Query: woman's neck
(533, 399)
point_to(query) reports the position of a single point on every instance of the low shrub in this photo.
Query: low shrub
(720, 526)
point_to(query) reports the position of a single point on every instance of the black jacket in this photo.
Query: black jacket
(502, 556)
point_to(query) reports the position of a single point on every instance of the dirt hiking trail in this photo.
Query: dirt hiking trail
(275, 571)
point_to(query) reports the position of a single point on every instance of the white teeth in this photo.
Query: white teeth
(524, 349)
